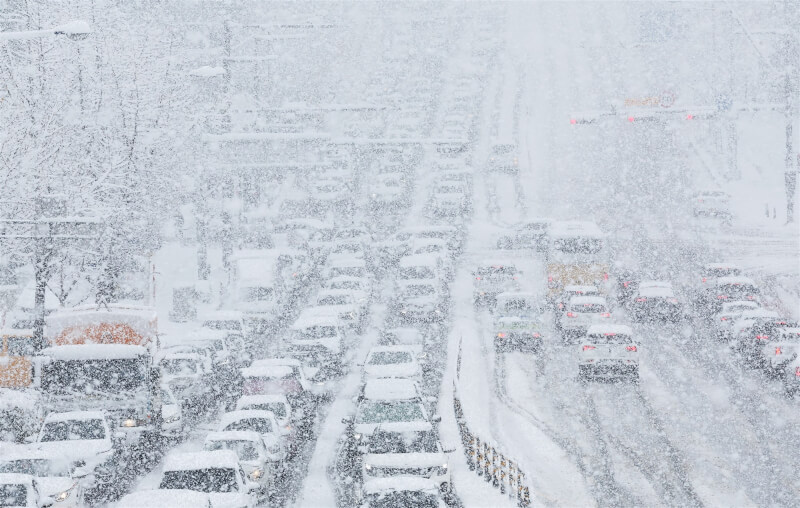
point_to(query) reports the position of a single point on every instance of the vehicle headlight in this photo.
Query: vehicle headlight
(357, 436)
(404, 311)
(368, 467)
(255, 474)
(63, 496)
(130, 422)
(437, 311)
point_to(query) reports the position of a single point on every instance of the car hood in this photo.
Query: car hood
(79, 449)
(369, 428)
(405, 459)
(229, 500)
(55, 485)
(394, 370)
(332, 343)
(420, 301)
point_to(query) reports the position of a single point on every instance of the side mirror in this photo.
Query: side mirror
(436, 418)
(81, 472)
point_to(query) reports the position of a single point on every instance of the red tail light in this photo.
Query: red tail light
(477, 278)
(549, 279)
(625, 284)
(797, 371)
(641, 299)
(587, 348)
(689, 116)
(605, 314)
(704, 279)
(778, 351)
(722, 297)
(610, 334)
(573, 121)
(751, 297)
(630, 348)
(673, 300)
(762, 337)
(605, 276)
(535, 335)
(501, 335)
(571, 314)
(723, 319)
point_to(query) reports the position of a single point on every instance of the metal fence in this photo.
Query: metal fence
(488, 461)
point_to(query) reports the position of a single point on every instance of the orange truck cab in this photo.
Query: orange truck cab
(16, 358)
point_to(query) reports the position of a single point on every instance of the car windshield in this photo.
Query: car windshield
(417, 272)
(416, 290)
(389, 357)
(87, 376)
(496, 271)
(260, 425)
(578, 245)
(179, 366)
(403, 442)
(402, 499)
(201, 480)
(386, 412)
(733, 290)
(245, 450)
(277, 408)
(316, 332)
(13, 494)
(588, 307)
(20, 346)
(502, 149)
(222, 324)
(333, 300)
(722, 272)
(71, 430)
(609, 338)
(344, 284)
(34, 467)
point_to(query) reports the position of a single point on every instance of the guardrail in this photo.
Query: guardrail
(488, 461)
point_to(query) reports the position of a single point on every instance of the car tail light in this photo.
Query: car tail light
(797, 371)
(571, 314)
(605, 276)
(501, 335)
(549, 279)
(477, 278)
(704, 279)
(535, 335)
(722, 297)
(778, 351)
(587, 348)
(605, 314)
(625, 284)
(641, 299)
(762, 337)
(673, 300)
(630, 348)
(609, 334)
(699, 200)
(750, 297)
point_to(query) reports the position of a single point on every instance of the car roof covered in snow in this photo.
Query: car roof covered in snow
(75, 415)
(518, 295)
(333, 292)
(240, 414)
(267, 362)
(404, 348)
(656, 291)
(582, 289)
(603, 329)
(746, 304)
(722, 281)
(419, 260)
(174, 498)
(179, 355)
(345, 260)
(142, 319)
(589, 300)
(390, 389)
(268, 371)
(318, 315)
(94, 352)
(759, 313)
(246, 400)
(400, 483)
(190, 461)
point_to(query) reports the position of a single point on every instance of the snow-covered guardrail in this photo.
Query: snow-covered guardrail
(488, 461)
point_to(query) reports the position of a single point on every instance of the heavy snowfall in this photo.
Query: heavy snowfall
(399, 254)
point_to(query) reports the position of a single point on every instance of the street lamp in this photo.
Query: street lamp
(76, 30)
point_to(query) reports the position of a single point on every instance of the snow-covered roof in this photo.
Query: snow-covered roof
(271, 362)
(656, 291)
(759, 313)
(223, 315)
(589, 300)
(603, 329)
(400, 483)
(739, 280)
(727, 306)
(241, 414)
(654, 284)
(345, 260)
(518, 295)
(414, 349)
(189, 461)
(174, 498)
(390, 389)
(315, 316)
(246, 400)
(94, 352)
(333, 292)
(429, 260)
(207, 71)
(75, 415)
(8, 478)
(141, 319)
(268, 371)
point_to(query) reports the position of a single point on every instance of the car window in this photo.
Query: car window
(389, 357)
(395, 411)
(402, 442)
(245, 450)
(20, 346)
(179, 366)
(588, 307)
(13, 494)
(610, 338)
(201, 480)
(260, 425)
(277, 408)
(71, 430)
(34, 467)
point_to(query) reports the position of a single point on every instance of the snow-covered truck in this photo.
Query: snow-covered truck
(576, 255)
(102, 359)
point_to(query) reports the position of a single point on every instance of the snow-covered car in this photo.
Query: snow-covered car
(608, 351)
(454, 236)
(81, 437)
(401, 492)
(518, 303)
(338, 265)
(359, 287)
(518, 333)
(655, 300)
(492, 279)
(389, 191)
(449, 200)
(402, 335)
(753, 329)
(279, 406)
(419, 301)
(531, 234)
(22, 491)
(174, 498)
(317, 337)
(582, 312)
(728, 289)
(561, 301)
(52, 473)
(503, 156)
(730, 313)
(415, 453)
(216, 473)
(173, 424)
(283, 376)
(712, 203)
(781, 348)
(386, 402)
(342, 304)
(183, 373)
(252, 453)
(401, 361)
(710, 272)
(421, 267)
(260, 421)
